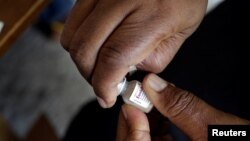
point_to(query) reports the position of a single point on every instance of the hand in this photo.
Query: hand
(106, 37)
(186, 111)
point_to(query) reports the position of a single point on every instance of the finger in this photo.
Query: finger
(187, 111)
(78, 14)
(94, 31)
(159, 126)
(127, 46)
(133, 125)
(122, 127)
(157, 61)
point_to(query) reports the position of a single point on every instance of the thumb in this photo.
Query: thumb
(133, 125)
(185, 110)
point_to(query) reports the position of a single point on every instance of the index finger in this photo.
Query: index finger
(78, 14)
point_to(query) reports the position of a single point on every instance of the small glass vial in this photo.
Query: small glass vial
(133, 94)
(1, 26)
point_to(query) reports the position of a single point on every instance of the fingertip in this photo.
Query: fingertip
(111, 103)
(155, 82)
(105, 91)
(153, 86)
(105, 81)
(106, 103)
(136, 119)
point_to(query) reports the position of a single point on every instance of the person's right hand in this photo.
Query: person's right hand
(182, 108)
(106, 37)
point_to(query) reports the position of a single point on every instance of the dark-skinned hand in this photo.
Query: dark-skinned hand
(189, 113)
(105, 38)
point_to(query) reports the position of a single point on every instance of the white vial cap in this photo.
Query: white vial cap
(122, 86)
(1, 26)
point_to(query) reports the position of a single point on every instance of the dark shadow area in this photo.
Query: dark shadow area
(93, 123)
(213, 62)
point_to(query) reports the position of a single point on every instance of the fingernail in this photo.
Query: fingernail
(132, 68)
(101, 102)
(124, 112)
(156, 83)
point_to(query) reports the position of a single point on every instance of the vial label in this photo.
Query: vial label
(139, 97)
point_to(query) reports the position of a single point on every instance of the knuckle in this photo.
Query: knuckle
(77, 51)
(75, 54)
(153, 63)
(81, 62)
(180, 102)
(81, 59)
(158, 65)
(112, 55)
(64, 41)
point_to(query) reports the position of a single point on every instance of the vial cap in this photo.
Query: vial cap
(121, 86)
(1, 26)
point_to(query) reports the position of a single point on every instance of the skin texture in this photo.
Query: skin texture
(185, 110)
(106, 37)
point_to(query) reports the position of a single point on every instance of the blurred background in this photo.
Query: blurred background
(38, 77)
